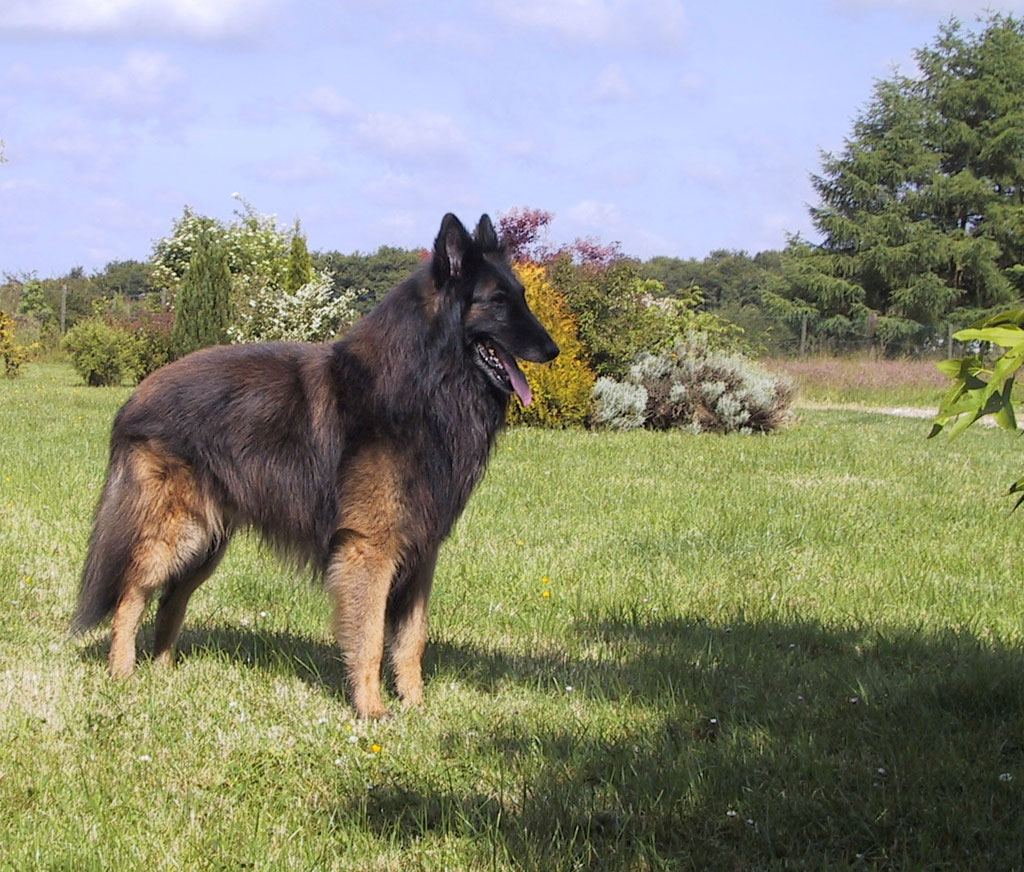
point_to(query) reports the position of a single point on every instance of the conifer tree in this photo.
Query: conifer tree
(203, 304)
(922, 212)
(300, 264)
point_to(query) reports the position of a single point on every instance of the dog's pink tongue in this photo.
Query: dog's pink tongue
(519, 382)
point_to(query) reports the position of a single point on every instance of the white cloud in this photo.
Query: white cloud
(140, 84)
(932, 8)
(393, 188)
(26, 186)
(197, 19)
(144, 86)
(593, 214)
(612, 85)
(296, 170)
(713, 175)
(416, 136)
(326, 102)
(600, 22)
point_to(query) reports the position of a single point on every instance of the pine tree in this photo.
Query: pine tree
(203, 305)
(921, 213)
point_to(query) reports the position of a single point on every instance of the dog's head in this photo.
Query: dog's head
(498, 325)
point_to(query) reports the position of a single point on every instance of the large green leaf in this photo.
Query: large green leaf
(1007, 337)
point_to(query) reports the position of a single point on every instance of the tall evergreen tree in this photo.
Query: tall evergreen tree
(921, 214)
(203, 305)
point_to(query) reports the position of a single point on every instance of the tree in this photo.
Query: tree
(127, 278)
(983, 388)
(34, 302)
(256, 248)
(371, 275)
(921, 214)
(203, 304)
(521, 231)
(300, 264)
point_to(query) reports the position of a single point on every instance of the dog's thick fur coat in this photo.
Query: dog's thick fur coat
(356, 457)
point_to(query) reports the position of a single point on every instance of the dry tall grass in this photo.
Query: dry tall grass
(864, 380)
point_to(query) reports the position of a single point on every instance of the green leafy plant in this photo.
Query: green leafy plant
(981, 388)
(102, 354)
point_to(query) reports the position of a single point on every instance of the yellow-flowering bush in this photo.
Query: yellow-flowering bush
(14, 354)
(561, 389)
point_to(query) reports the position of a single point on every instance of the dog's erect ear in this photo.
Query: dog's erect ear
(484, 234)
(451, 247)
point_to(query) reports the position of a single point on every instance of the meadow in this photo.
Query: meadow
(648, 651)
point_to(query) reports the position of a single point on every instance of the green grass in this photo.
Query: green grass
(801, 651)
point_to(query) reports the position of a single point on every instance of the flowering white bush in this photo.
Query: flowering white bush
(311, 314)
(257, 248)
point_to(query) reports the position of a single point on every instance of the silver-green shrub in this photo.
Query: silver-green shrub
(693, 387)
(619, 405)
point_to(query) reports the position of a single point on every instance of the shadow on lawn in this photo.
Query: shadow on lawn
(755, 745)
(769, 744)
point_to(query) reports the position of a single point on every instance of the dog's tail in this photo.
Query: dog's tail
(114, 536)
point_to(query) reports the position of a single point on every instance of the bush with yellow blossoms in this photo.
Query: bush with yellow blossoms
(561, 389)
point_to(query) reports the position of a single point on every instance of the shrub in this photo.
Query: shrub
(12, 351)
(152, 345)
(694, 387)
(561, 389)
(102, 354)
(619, 405)
(311, 314)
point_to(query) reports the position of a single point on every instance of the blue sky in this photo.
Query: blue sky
(672, 127)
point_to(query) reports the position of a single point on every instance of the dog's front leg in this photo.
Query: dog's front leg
(409, 633)
(359, 578)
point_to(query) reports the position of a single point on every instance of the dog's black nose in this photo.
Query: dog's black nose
(550, 352)
(540, 351)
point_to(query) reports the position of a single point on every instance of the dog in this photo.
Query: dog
(355, 458)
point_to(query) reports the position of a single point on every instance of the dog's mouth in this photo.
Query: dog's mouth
(502, 369)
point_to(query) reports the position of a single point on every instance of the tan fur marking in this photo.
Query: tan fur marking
(410, 638)
(362, 569)
(175, 526)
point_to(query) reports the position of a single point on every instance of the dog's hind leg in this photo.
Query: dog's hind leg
(174, 600)
(174, 529)
(358, 579)
(408, 622)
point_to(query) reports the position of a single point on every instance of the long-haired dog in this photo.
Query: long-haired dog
(356, 457)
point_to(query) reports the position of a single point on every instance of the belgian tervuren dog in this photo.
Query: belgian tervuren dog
(356, 457)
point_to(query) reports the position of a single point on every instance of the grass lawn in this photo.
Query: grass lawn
(648, 651)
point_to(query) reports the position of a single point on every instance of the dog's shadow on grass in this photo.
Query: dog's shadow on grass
(277, 652)
(724, 665)
(793, 743)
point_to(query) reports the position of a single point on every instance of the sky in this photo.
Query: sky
(673, 127)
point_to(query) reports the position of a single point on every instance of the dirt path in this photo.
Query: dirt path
(898, 411)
